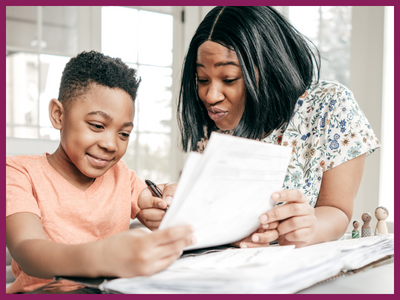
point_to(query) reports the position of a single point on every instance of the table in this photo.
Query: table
(379, 280)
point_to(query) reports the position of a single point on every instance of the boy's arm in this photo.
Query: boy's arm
(42, 258)
(128, 254)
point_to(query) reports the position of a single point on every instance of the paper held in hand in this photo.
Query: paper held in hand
(224, 191)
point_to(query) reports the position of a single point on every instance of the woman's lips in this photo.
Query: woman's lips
(216, 114)
(97, 161)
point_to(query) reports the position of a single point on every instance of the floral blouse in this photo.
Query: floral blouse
(327, 129)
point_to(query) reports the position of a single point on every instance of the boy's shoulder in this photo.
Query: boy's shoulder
(25, 160)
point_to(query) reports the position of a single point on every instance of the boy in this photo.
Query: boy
(68, 213)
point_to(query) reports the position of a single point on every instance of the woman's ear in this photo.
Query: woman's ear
(56, 113)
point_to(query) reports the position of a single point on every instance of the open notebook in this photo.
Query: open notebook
(225, 190)
(274, 269)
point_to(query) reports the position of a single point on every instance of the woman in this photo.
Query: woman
(249, 73)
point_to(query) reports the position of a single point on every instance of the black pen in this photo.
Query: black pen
(154, 189)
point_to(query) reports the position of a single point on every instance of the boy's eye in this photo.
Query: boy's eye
(126, 135)
(97, 126)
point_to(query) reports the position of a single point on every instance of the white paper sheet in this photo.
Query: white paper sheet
(223, 192)
(269, 270)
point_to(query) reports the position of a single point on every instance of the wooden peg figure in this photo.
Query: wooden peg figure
(381, 213)
(366, 228)
(355, 234)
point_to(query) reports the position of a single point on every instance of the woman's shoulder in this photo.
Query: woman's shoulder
(326, 88)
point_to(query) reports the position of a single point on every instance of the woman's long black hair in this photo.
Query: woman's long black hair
(268, 48)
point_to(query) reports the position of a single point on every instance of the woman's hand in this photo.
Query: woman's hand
(297, 221)
(152, 209)
(259, 238)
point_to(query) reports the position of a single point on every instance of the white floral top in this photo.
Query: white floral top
(327, 128)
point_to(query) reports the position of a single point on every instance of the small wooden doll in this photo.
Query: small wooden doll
(366, 228)
(355, 234)
(381, 213)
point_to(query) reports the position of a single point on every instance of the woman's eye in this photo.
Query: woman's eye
(230, 80)
(201, 80)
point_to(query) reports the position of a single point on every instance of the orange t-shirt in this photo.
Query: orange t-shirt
(68, 214)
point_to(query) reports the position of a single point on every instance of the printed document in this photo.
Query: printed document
(270, 270)
(225, 190)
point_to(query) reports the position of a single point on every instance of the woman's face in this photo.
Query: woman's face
(220, 84)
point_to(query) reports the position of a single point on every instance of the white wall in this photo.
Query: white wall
(366, 71)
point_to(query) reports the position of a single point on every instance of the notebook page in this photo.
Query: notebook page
(231, 189)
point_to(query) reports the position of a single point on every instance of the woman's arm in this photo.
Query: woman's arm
(334, 208)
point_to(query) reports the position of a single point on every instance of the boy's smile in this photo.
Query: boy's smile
(94, 133)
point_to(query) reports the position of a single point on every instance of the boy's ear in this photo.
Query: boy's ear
(56, 113)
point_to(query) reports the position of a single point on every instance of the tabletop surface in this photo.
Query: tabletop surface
(379, 280)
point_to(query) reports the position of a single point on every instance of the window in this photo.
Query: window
(329, 28)
(39, 42)
(144, 40)
(42, 39)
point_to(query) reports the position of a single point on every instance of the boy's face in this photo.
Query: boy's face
(96, 128)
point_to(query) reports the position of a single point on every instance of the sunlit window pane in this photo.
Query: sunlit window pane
(49, 133)
(32, 76)
(336, 66)
(119, 33)
(306, 20)
(25, 132)
(52, 67)
(22, 82)
(154, 100)
(151, 157)
(155, 38)
(60, 29)
(335, 27)
(21, 20)
(329, 28)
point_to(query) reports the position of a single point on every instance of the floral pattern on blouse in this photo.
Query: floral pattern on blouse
(327, 129)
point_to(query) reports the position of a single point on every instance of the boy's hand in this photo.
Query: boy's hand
(152, 209)
(260, 238)
(297, 221)
(137, 253)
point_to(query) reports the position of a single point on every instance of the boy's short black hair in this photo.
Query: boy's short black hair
(93, 67)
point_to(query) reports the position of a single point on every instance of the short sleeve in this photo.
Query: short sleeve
(19, 191)
(348, 133)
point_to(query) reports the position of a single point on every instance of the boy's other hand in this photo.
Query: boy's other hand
(138, 253)
(152, 209)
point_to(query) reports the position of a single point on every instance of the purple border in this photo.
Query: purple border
(183, 3)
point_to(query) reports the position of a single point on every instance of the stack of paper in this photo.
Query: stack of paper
(274, 269)
(224, 191)
(356, 253)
